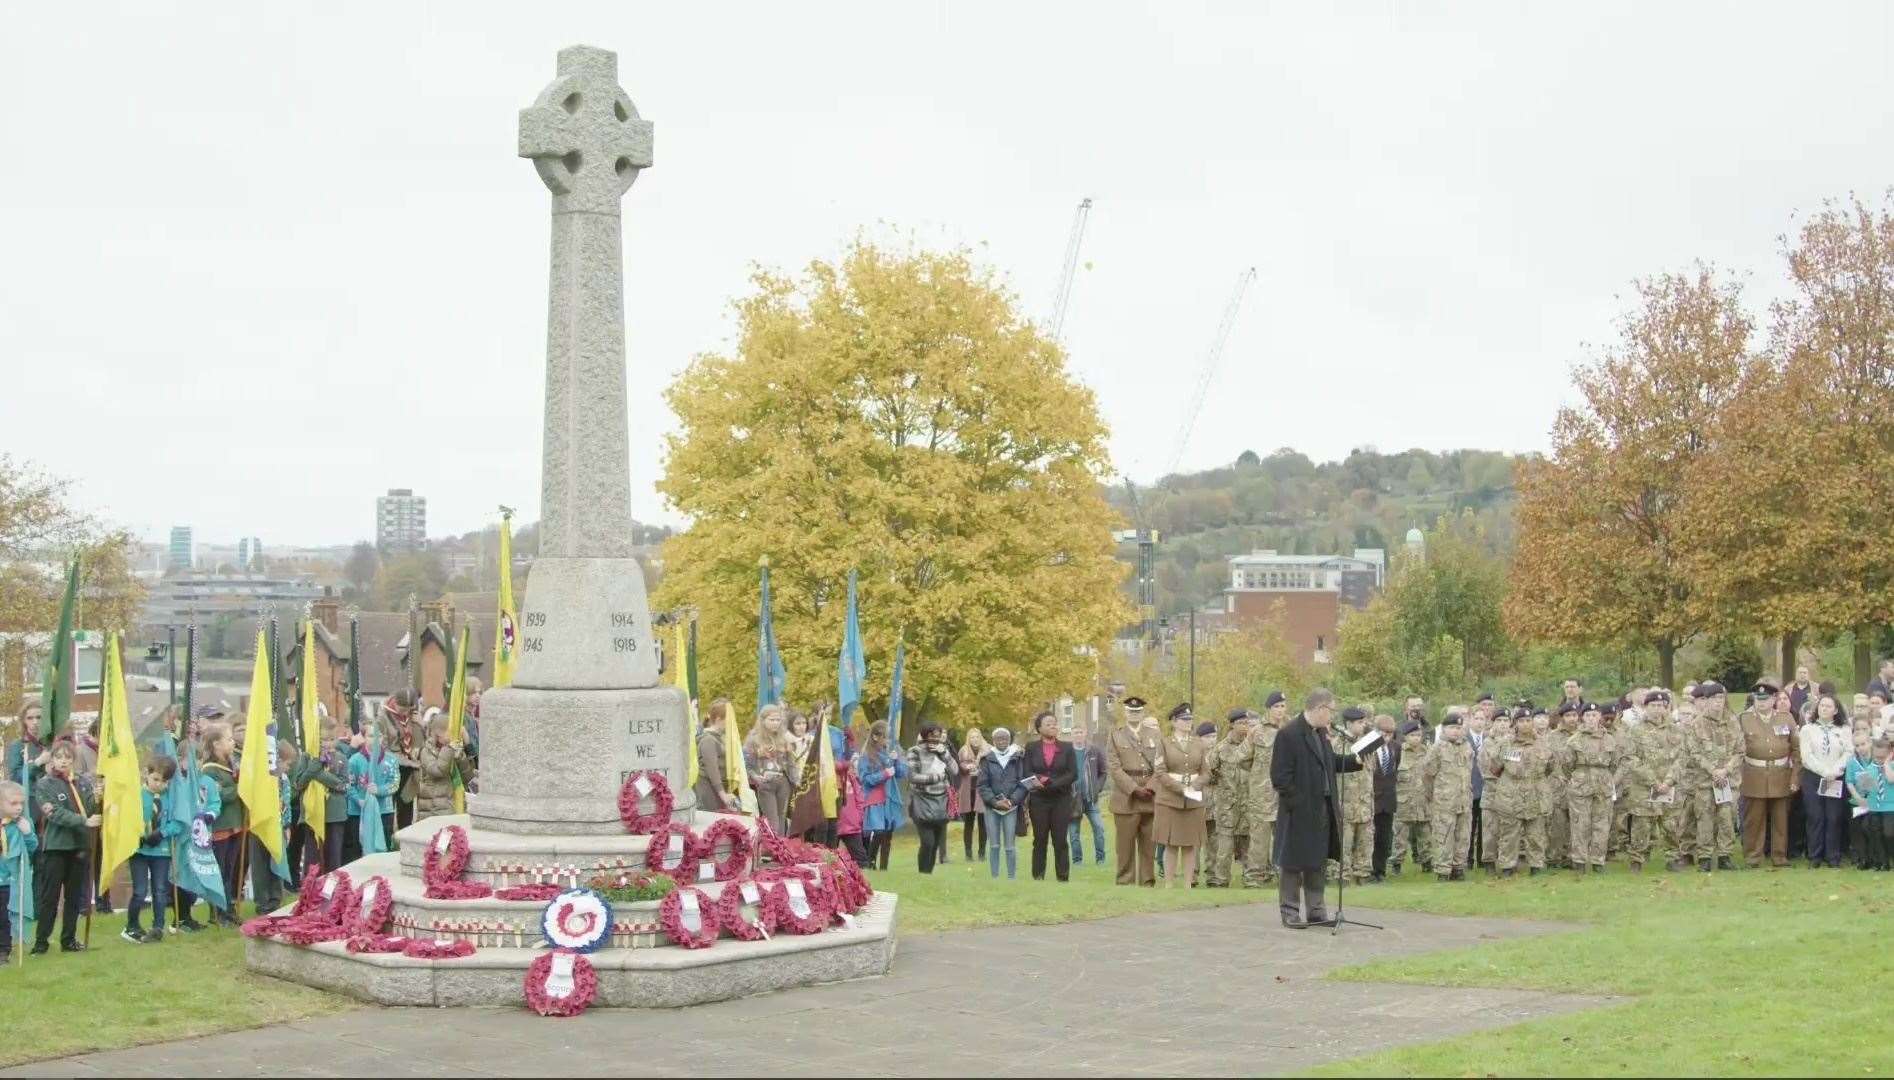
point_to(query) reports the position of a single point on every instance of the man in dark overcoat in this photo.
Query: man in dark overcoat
(1308, 834)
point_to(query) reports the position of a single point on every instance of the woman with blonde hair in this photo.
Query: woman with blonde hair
(972, 807)
(770, 759)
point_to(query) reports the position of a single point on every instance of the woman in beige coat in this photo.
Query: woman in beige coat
(1179, 824)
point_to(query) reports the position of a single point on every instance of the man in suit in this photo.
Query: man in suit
(1131, 761)
(1308, 831)
(1051, 767)
(1387, 767)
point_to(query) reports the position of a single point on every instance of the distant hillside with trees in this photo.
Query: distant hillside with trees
(1287, 502)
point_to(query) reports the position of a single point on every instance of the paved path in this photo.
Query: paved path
(1224, 990)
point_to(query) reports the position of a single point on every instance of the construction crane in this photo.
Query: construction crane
(1146, 538)
(1195, 405)
(1072, 244)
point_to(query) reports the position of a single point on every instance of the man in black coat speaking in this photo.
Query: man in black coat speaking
(1308, 833)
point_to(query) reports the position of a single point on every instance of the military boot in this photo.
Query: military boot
(1532, 871)
(1723, 863)
(1704, 865)
(1637, 866)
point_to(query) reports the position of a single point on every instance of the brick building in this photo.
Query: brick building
(1303, 595)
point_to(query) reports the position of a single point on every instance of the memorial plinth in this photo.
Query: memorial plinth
(585, 709)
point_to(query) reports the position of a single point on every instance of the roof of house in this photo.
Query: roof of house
(380, 634)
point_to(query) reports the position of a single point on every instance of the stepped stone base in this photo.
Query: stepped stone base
(628, 978)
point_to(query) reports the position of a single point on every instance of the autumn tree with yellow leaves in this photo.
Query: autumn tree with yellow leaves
(1601, 559)
(893, 413)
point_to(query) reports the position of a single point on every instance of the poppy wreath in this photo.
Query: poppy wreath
(577, 920)
(268, 925)
(459, 890)
(728, 830)
(860, 892)
(309, 930)
(437, 950)
(671, 917)
(638, 822)
(540, 892)
(333, 904)
(660, 845)
(819, 909)
(377, 943)
(730, 912)
(374, 902)
(574, 1000)
(446, 856)
(840, 893)
(310, 898)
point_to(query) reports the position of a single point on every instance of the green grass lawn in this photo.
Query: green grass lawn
(119, 994)
(1754, 972)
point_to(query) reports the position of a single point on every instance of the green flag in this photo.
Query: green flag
(55, 685)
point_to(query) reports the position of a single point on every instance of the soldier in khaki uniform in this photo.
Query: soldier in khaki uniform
(1357, 803)
(1558, 818)
(1772, 764)
(1259, 866)
(1515, 765)
(1644, 773)
(1131, 760)
(1448, 773)
(1411, 796)
(1723, 759)
(1589, 760)
(1680, 819)
(1229, 798)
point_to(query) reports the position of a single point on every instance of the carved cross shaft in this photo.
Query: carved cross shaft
(584, 135)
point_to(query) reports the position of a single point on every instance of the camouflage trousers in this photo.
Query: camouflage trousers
(1515, 837)
(1716, 825)
(1558, 836)
(1411, 837)
(1357, 851)
(1489, 840)
(1680, 828)
(1226, 845)
(1637, 847)
(1259, 862)
(1452, 832)
(1591, 828)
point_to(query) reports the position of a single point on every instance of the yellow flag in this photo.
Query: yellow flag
(456, 718)
(256, 777)
(681, 678)
(315, 796)
(124, 812)
(825, 756)
(735, 772)
(504, 634)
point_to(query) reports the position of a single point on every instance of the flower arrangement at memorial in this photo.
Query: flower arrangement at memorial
(641, 787)
(578, 920)
(539, 892)
(737, 859)
(560, 983)
(683, 907)
(691, 852)
(377, 943)
(791, 893)
(745, 911)
(374, 902)
(634, 886)
(437, 950)
(444, 862)
(322, 913)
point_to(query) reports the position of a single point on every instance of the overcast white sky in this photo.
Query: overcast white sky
(258, 266)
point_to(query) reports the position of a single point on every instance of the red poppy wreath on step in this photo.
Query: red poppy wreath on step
(443, 864)
(642, 788)
(560, 983)
(800, 907)
(745, 911)
(689, 919)
(674, 850)
(731, 864)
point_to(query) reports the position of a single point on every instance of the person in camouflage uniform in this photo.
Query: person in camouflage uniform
(1356, 795)
(1448, 773)
(1515, 765)
(1680, 818)
(1644, 773)
(1411, 796)
(1259, 866)
(1558, 819)
(1229, 797)
(1589, 760)
(1712, 753)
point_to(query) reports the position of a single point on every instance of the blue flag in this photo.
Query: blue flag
(853, 666)
(772, 682)
(894, 697)
(193, 865)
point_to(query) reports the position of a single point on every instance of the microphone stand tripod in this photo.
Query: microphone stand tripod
(1341, 874)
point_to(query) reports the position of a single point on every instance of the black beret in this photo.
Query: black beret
(1135, 704)
(1354, 713)
(1657, 696)
(1568, 708)
(1451, 718)
(1608, 709)
(1238, 715)
(1206, 728)
(1406, 727)
(1182, 710)
(1482, 698)
(1707, 690)
(1274, 699)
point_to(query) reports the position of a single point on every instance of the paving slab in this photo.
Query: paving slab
(1223, 991)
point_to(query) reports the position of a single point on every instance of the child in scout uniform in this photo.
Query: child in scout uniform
(1448, 773)
(66, 811)
(1410, 803)
(1876, 790)
(151, 863)
(18, 842)
(439, 762)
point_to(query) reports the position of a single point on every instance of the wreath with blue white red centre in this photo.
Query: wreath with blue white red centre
(639, 788)
(682, 907)
(734, 861)
(578, 920)
(560, 983)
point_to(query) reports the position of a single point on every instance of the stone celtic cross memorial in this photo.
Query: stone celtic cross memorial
(585, 707)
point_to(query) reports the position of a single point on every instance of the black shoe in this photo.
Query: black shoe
(1508, 872)
(1723, 863)
(1597, 868)
(1704, 865)
(1637, 867)
(1323, 920)
(40, 949)
(1294, 924)
(71, 946)
(1532, 871)
(1459, 875)
(190, 926)
(154, 937)
(104, 907)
